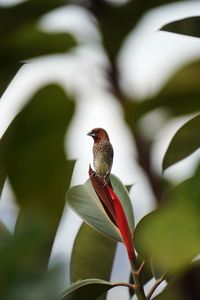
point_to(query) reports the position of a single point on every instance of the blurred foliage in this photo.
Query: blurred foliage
(116, 21)
(171, 234)
(186, 140)
(179, 96)
(157, 271)
(187, 26)
(35, 162)
(32, 156)
(92, 256)
(23, 39)
(21, 276)
(184, 286)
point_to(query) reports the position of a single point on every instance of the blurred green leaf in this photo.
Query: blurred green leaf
(89, 289)
(29, 42)
(85, 202)
(21, 278)
(125, 200)
(3, 173)
(116, 21)
(36, 164)
(92, 256)
(185, 142)
(4, 233)
(171, 234)
(187, 26)
(157, 271)
(185, 286)
(22, 38)
(12, 17)
(180, 95)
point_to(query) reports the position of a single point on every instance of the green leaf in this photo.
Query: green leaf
(171, 234)
(4, 233)
(26, 43)
(84, 201)
(12, 17)
(124, 198)
(157, 271)
(184, 286)
(21, 38)
(116, 21)
(185, 142)
(21, 278)
(180, 96)
(92, 255)
(29, 42)
(36, 164)
(2, 166)
(129, 187)
(187, 26)
(89, 289)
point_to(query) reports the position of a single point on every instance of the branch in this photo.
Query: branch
(139, 289)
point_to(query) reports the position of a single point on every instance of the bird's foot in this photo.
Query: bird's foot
(93, 173)
(104, 184)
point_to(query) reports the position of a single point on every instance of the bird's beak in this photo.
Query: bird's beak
(91, 133)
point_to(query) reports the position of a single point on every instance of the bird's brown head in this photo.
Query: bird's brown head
(99, 134)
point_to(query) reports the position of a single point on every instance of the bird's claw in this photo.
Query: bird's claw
(93, 173)
(104, 184)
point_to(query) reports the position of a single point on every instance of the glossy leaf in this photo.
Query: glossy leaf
(36, 163)
(100, 189)
(92, 255)
(89, 289)
(122, 223)
(185, 142)
(187, 26)
(114, 209)
(125, 200)
(84, 201)
(171, 234)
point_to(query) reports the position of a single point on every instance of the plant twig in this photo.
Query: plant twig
(126, 284)
(154, 287)
(139, 289)
(141, 267)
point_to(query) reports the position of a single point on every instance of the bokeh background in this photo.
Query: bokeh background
(150, 65)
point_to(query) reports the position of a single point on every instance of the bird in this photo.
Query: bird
(102, 153)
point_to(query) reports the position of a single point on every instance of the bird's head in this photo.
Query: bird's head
(98, 134)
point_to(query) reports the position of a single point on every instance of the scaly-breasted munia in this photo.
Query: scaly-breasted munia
(102, 152)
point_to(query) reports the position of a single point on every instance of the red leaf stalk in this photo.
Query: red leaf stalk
(114, 210)
(122, 224)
